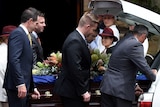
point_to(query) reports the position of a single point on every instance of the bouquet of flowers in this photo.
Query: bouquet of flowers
(99, 63)
(49, 66)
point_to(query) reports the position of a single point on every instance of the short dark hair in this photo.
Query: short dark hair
(41, 14)
(140, 29)
(29, 13)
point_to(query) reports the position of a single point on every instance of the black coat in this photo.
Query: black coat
(37, 50)
(74, 78)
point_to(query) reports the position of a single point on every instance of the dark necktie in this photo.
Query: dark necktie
(39, 41)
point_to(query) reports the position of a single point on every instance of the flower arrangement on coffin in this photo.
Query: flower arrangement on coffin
(99, 63)
(49, 66)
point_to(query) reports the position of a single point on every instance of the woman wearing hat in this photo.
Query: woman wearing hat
(109, 20)
(3, 61)
(107, 38)
(106, 20)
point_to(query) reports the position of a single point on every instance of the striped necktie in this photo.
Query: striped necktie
(30, 40)
(39, 41)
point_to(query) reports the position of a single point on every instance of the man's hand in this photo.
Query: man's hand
(138, 90)
(36, 94)
(86, 97)
(22, 91)
(154, 71)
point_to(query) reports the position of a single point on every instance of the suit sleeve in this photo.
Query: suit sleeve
(137, 57)
(15, 48)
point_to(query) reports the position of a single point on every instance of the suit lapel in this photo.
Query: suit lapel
(84, 46)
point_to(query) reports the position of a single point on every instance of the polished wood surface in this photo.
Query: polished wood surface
(54, 100)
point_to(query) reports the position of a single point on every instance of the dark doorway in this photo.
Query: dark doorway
(61, 19)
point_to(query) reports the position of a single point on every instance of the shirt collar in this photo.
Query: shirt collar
(81, 34)
(24, 28)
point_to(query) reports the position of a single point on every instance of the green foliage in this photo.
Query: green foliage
(49, 66)
(99, 63)
(43, 69)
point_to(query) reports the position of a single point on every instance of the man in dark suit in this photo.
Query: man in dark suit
(36, 43)
(73, 82)
(18, 80)
(118, 83)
